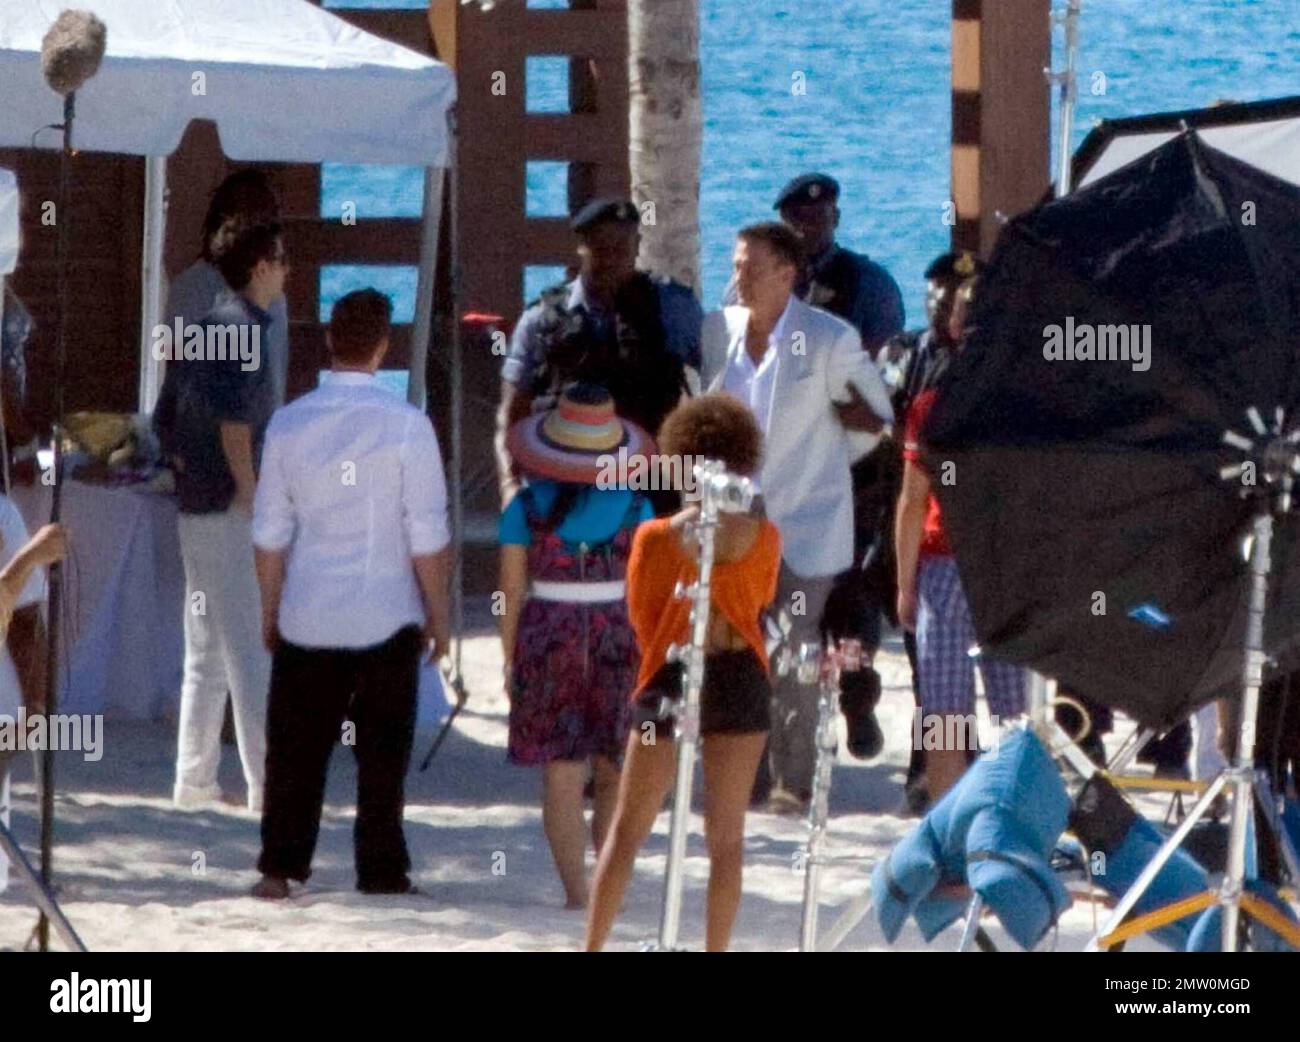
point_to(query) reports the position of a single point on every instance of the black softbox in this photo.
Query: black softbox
(1096, 540)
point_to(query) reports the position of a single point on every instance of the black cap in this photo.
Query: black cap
(808, 188)
(601, 211)
(957, 265)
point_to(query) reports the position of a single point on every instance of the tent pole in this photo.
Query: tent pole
(152, 277)
(452, 683)
(457, 405)
(421, 331)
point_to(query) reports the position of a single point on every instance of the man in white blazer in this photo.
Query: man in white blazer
(821, 405)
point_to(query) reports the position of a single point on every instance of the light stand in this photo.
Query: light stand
(719, 492)
(823, 665)
(1069, 87)
(1275, 462)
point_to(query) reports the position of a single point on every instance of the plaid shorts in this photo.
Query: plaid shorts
(944, 637)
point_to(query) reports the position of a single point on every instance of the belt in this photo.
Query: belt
(579, 592)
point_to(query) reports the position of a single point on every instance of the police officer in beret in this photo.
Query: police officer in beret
(612, 325)
(847, 284)
(912, 361)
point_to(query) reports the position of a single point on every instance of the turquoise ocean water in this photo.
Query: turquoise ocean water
(875, 114)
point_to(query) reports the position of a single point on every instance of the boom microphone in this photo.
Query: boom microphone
(72, 50)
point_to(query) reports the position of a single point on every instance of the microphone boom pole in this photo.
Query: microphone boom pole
(70, 55)
(52, 630)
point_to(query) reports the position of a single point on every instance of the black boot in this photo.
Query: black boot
(859, 694)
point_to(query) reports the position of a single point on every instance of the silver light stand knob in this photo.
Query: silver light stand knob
(808, 663)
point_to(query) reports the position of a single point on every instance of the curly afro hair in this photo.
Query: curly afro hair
(714, 426)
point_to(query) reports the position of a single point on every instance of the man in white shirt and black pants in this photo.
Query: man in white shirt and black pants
(350, 528)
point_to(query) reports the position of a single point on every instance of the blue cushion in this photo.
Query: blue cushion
(995, 829)
(1182, 876)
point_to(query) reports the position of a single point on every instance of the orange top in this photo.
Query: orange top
(740, 589)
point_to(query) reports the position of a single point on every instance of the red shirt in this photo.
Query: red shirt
(934, 540)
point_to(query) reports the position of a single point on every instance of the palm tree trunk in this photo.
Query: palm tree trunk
(665, 130)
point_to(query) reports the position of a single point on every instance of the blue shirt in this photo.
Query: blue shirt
(858, 290)
(207, 390)
(200, 287)
(594, 519)
(679, 310)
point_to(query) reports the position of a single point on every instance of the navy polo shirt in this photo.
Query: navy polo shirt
(230, 383)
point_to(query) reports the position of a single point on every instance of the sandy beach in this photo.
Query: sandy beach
(135, 874)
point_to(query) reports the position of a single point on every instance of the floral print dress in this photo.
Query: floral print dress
(574, 664)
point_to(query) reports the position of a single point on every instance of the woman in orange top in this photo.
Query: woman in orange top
(734, 704)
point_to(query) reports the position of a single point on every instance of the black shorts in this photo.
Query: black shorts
(735, 698)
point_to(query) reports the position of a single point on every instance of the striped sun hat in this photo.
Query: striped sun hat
(574, 441)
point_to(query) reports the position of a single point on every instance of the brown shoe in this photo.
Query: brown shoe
(269, 888)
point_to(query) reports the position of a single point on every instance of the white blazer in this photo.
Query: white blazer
(805, 479)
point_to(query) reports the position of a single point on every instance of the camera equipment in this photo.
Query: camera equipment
(719, 492)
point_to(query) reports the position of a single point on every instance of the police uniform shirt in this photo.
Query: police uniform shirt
(858, 290)
(679, 311)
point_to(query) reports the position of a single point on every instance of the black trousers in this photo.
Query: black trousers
(313, 691)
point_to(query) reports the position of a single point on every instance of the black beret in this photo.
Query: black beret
(959, 264)
(601, 211)
(808, 188)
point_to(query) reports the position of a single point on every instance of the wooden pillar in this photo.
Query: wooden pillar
(1001, 114)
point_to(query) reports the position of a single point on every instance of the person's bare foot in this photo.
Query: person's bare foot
(575, 904)
(269, 888)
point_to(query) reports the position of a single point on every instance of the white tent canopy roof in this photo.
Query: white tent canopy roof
(8, 221)
(283, 80)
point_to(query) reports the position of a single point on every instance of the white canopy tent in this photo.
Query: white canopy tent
(283, 80)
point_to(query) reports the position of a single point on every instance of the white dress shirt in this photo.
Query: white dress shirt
(352, 486)
(807, 453)
(755, 384)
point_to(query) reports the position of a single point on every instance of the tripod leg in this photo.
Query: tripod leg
(853, 914)
(818, 815)
(437, 742)
(972, 924)
(44, 899)
(1166, 851)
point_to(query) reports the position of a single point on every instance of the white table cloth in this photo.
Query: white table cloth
(124, 598)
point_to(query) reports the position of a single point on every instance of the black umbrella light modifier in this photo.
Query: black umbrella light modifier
(1078, 441)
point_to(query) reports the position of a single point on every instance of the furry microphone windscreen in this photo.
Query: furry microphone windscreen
(72, 50)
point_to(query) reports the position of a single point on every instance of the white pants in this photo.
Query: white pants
(223, 652)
